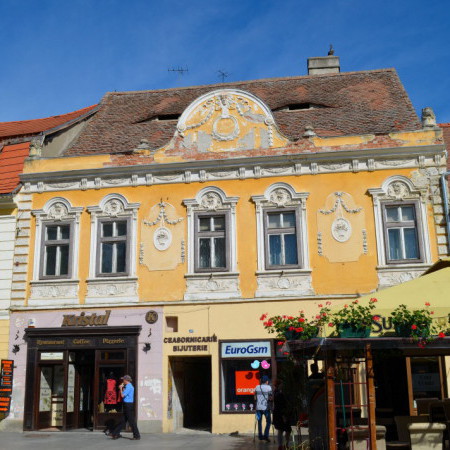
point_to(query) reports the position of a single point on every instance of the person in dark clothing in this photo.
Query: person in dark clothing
(281, 416)
(127, 394)
(315, 374)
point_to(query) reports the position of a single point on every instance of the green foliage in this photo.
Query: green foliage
(355, 315)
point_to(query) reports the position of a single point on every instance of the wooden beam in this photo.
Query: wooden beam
(371, 398)
(331, 401)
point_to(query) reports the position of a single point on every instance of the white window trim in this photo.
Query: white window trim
(400, 188)
(58, 291)
(211, 285)
(57, 210)
(289, 198)
(113, 206)
(277, 282)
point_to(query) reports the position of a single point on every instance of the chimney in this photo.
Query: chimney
(324, 64)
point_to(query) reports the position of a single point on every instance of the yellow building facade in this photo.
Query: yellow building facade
(159, 262)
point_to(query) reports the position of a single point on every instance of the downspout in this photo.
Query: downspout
(446, 208)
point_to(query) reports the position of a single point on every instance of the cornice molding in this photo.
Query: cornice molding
(237, 168)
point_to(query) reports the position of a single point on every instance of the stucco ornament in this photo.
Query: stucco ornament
(58, 211)
(398, 190)
(428, 118)
(162, 238)
(228, 120)
(113, 207)
(211, 201)
(341, 229)
(280, 197)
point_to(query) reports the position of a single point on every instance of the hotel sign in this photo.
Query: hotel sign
(85, 320)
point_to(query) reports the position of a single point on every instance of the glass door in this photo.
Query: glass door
(51, 396)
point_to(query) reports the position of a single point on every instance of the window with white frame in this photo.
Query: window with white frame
(56, 246)
(400, 224)
(113, 247)
(282, 240)
(401, 231)
(211, 242)
(113, 242)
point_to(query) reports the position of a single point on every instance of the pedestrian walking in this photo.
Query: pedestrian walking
(281, 419)
(126, 390)
(263, 397)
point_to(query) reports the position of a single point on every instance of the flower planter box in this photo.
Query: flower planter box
(405, 330)
(350, 331)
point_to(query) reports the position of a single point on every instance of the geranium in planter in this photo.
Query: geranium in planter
(415, 323)
(298, 327)
(354, 320)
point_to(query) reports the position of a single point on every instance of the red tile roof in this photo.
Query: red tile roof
(15, 149)
(27, 127)
(12, 158)
(446, 133)
(348, 103)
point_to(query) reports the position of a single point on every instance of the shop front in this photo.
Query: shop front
(69, 364)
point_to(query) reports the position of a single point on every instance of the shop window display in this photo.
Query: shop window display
(239, 379)
(110, 400)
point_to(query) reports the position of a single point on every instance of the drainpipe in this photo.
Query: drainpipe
(446, 209)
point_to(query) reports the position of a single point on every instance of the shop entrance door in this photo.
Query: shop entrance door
(192, 392)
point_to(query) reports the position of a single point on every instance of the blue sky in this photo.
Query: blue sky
(59, 55)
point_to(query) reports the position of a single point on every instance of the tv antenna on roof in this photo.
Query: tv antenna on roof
(223, 75)
(179, 70)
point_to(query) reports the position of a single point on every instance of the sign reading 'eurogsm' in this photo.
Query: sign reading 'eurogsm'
(246, 349)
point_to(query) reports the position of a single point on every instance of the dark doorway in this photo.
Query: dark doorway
(192, 383)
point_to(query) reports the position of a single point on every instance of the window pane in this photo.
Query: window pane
(205, 223)
(121, 255)
(219, 223)
(64, 259)
(205, 253)
(274, 220)
(107, 251)
(288, 220)
(392, 214)
(52, 233)
(121, 228)
(407, 212)
(219, 252)
(395, 251)
(274, 249)
(64, 232)
(107, 229)
(411, 244)
(290, 249)
(50, 260)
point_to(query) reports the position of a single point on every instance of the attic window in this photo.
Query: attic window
(299, 106)
(161, 118)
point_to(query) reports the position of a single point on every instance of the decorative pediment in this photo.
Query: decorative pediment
(399, 187)
(228, 120)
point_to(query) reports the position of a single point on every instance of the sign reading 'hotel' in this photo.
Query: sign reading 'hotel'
(84, 320)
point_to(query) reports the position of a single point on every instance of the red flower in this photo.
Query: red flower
(284, 316)
(318, 316)
(320, 305)
(330, 324)
(328, 303)
(263, 317)
(299, 330)
(356, 302)
(324, 314)
(280, 343)
(290, 317)
(285, 353)
(442, 334)
(377, 318)
(269, 323)
(291, 328)
(373, 300)
(413, 327)
(427, 303)
(421, 344)
(431, 312)
(301, 319)
(345, 306)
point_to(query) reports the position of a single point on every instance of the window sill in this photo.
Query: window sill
(211, 275)
(281, 272)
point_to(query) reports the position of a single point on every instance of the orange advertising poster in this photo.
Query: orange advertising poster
(246, 381)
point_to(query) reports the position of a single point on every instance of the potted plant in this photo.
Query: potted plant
(354, 320)
(415, 323)
(297, 327)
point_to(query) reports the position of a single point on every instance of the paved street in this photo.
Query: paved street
(97, 441)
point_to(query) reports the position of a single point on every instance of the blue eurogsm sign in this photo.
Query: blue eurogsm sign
(255, 349)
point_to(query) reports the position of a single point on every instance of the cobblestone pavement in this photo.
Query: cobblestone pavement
(95, 441)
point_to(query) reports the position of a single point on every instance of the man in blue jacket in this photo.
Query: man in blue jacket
(127, 394)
